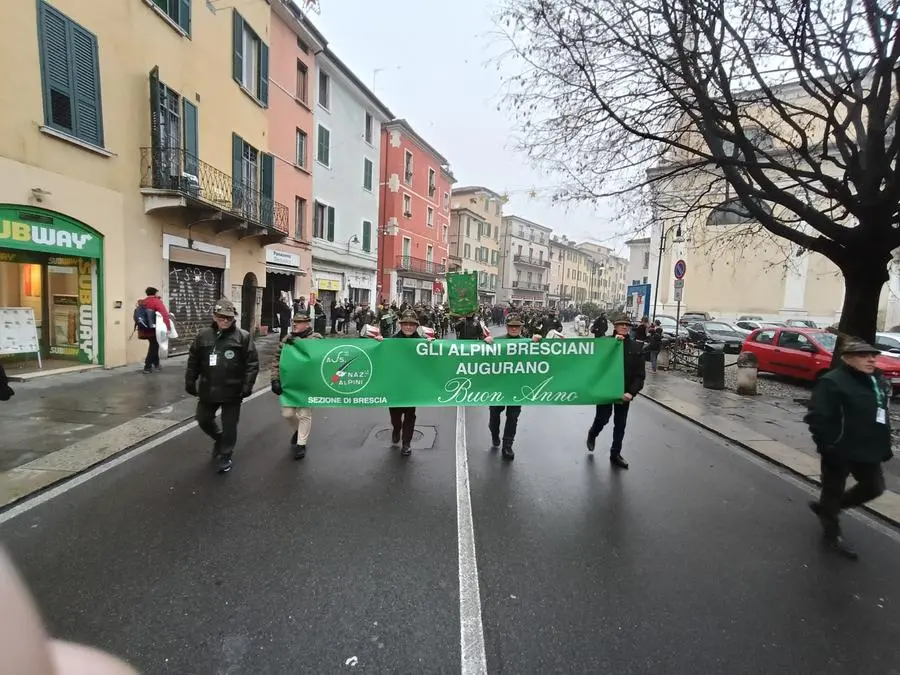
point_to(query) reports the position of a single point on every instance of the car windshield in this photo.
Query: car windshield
(666, 323)
(718, 328)
(827, 340)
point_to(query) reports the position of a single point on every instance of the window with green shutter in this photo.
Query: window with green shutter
(191, 143)
(177, 10)
(250, 60)
(367, 236)
(323, 146)
(70, 74)
(368, 170)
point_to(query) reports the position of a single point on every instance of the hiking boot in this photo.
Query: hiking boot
(508, 450)
(406, 451)
(395, 437)
(147, 371)
(618, 461)
(224, 464)
(299, 451)
(591, 441)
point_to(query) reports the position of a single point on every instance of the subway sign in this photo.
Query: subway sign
(38, 230)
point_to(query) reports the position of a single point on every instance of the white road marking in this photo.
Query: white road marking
(64, 487)
(474, 661)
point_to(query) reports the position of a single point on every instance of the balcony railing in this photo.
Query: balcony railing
(174, 170)
(418, 266)
(528, 286)
(528, 260)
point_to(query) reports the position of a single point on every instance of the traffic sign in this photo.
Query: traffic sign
(679, 284)
(680, 269)
(678, 291)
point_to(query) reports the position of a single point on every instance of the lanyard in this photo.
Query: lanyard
(879, 395)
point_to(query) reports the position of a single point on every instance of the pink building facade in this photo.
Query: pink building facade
(292, 66)
(415, 216)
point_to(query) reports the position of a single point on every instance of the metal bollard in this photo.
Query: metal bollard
(747, 374)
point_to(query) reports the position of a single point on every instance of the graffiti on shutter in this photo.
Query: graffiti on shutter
(193, 290)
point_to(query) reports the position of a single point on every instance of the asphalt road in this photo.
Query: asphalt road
(697, 560)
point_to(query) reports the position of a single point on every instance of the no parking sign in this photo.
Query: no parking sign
(680, 269)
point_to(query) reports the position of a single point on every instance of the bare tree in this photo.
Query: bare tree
(789, 107)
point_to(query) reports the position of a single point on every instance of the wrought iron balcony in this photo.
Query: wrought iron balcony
(417, 267)
(534, 262)
(529, 286)
(231, 203)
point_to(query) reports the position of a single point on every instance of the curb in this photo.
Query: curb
(886, 508)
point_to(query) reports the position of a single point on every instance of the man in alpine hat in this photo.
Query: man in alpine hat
(635, 373)
(221, 370)
(513, 332)
(403, 420)
(300, 419)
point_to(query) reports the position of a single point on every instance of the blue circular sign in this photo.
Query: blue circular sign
(680, 269)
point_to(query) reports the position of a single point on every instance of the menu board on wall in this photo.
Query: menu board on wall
(18, 331)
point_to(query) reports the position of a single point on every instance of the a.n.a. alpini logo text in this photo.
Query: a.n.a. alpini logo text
(346, 369)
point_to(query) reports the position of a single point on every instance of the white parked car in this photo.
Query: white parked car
(888, 343)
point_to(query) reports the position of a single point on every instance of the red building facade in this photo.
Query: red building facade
(415, 185)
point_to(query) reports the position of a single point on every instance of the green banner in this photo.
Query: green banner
(462, 292)
(405, 373)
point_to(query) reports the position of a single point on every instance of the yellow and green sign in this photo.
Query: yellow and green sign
(31, 229)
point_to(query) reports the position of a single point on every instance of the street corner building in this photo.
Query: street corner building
(135, 152)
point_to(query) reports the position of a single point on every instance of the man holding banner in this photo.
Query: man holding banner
(300, 418)
(513, 332)
(403, 420)
(635, 374)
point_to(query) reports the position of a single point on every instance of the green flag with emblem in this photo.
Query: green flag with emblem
(462, 292)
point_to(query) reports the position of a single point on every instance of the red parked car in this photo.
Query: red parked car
(804, 353)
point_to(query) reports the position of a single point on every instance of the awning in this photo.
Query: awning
(282, 269)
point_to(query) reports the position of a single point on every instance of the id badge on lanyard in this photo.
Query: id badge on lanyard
(213, 358)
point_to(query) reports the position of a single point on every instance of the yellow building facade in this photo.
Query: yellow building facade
(132, 154)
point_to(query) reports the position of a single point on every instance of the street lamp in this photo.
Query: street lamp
(662, 247)
(353, 240)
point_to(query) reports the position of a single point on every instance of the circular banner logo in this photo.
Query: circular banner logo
(346, 369)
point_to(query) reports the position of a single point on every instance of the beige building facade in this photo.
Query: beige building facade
(476, 214)
(119, 170)
(524, 262)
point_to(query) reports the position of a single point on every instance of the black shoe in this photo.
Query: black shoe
(215, 450)
(495, 441)
(816, 508)
(299, 451)
(395, 437)
(590, 443)
(508, 452)
(618, 461)
(224, 464)
(405, 451)
(841, 547)
(147, 371)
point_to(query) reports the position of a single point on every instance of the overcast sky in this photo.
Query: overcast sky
(436, 68)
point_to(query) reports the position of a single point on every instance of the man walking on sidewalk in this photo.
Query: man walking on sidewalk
(849, 422)
(635, 373)
(150, 306)
(221, 370)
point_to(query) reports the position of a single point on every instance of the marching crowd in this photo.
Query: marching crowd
(848, 415)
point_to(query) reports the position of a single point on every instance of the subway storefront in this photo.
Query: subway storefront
(52, 265)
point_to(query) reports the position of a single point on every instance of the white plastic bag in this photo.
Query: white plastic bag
(162, 336)
(172, 332)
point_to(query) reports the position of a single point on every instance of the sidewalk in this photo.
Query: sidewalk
(57, 426)
(770, 428)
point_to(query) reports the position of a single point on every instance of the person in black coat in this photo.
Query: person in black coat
(600, 325)
(403, 420)
(221, 370)
(635, 373)
(850, 425)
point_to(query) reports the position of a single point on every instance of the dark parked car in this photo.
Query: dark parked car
(693, 317)
(716, 335)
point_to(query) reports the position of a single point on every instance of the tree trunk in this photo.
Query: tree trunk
(863, 282)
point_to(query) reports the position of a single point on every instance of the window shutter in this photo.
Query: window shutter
(191, 150)
(184, 15)
(155, 152)
(267, 183)
(237, 148)
(317, 231)
(367, 236)
(330, 233)
(86, 78)
(263, 93)
(237, 69)
(54, 38)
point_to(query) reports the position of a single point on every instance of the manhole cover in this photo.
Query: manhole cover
(423, 438)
